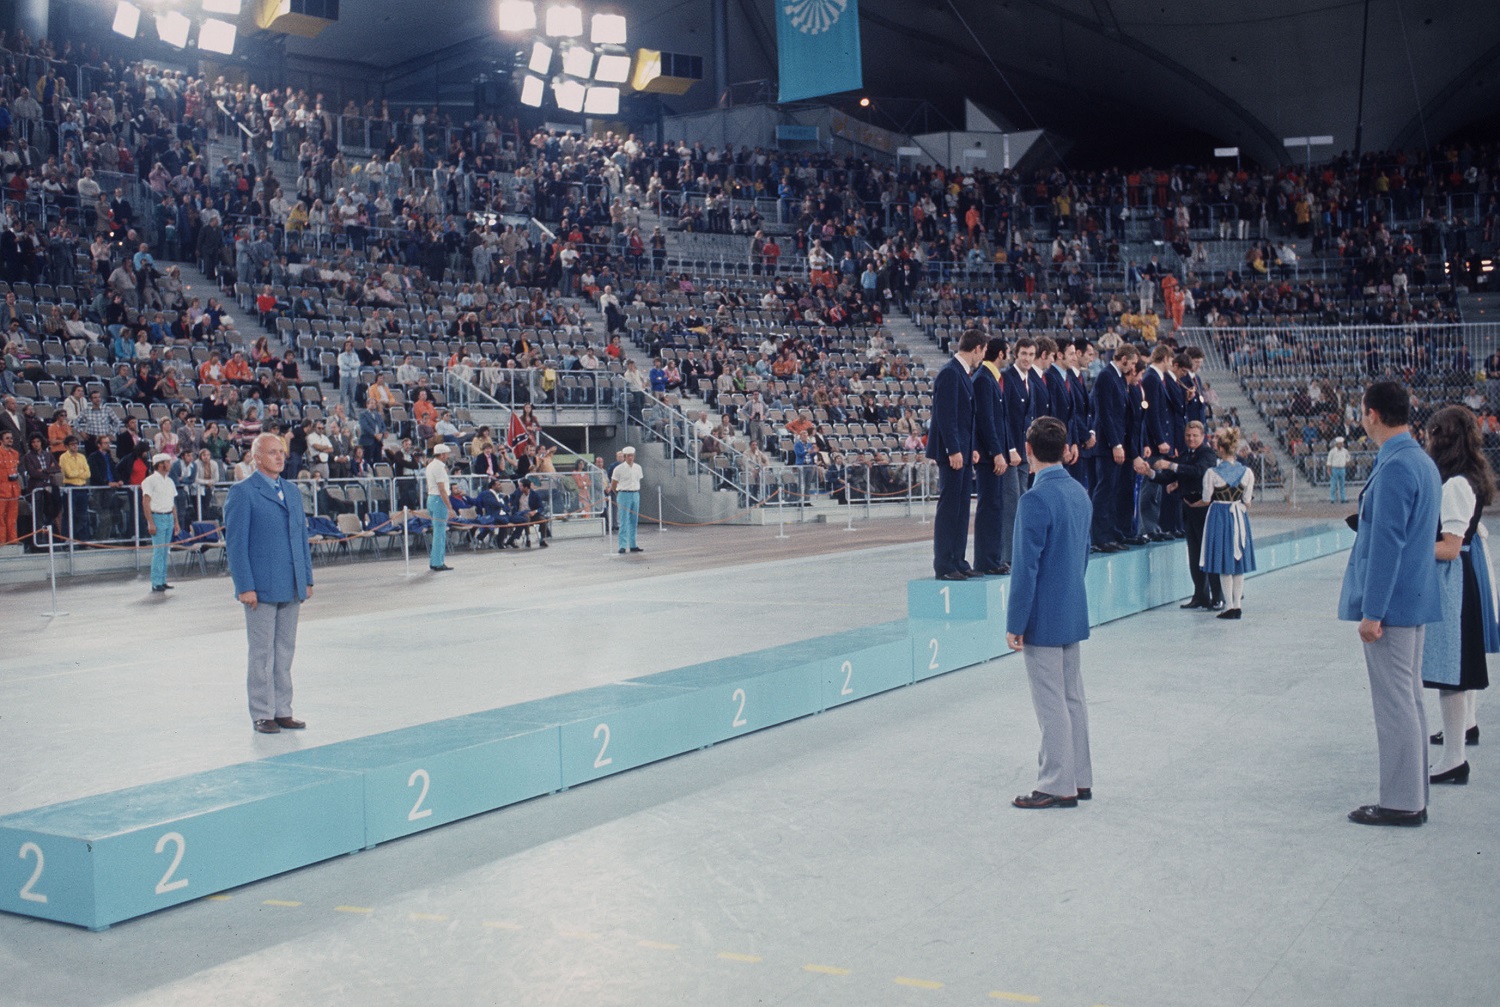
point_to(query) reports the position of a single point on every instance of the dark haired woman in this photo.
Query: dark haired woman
(1453, 651)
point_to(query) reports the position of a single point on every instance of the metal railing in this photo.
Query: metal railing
(720, 467)
(592, 398)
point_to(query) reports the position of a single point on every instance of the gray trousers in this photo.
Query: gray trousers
(1062, 714)
(1394, 663)
(272, 631)
(1017, 480)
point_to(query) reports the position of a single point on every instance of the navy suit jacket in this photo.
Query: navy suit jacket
(1021, 405)
(1392, 573)
(1197, 409)
(951, 430)
(266, 540)
(1158, 409)
(1111, 415)
(1049, 603)
(1060, 400)
(991, 433)
(1081, 417)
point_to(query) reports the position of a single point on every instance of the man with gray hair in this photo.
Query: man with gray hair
(270, 562)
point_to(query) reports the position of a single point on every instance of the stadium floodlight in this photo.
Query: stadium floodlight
(569, 93)
(517, 15)
(578, 61)
(602, 101)
(230, 7)
(607, 29)
(541, 58)
(564, 21)
(172, 27)
(532, 90)
(612, 68)
(216, 36)
(127, 19)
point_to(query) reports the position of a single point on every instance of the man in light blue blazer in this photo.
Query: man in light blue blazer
(270, 561)
(1391, 589)
(1048, 615)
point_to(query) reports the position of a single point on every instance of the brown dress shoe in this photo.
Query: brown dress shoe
(266, 727)
(290, 723)
(1037, 799)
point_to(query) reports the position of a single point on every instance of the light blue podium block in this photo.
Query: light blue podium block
(612, 728)
(1126, 583)
(99, 860)
(432, 774)
(750, 692)
(866, 662)
(939, 647)
(953, 600)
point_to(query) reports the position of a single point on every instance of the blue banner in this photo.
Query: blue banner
(817, 42)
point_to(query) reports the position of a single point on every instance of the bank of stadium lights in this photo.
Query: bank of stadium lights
(590, 71)
(230, 7)
(127, 19)
(217, 36)
(172, 27)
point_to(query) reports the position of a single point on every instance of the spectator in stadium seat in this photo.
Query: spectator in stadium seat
(96, 419)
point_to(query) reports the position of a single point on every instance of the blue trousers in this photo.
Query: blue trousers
(1336, 486)
(988, 535)
(630, 516)
(161, 537)
(950, 523)
(438, 508)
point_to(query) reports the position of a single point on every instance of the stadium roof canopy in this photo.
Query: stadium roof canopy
(1128, 76)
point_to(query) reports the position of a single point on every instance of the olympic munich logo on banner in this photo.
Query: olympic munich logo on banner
(813, 17)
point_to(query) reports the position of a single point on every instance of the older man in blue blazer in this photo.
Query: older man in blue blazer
(270, 561)
(950, 443)
(1048, 615)
(1391, 589)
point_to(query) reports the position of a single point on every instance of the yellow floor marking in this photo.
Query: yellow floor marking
(730, 956)
(281, 902)
(427, 917)
(501, 925)
(579, 935)
(921, 984)
(1021, 998)
(353, 909)
(657, 945)
(218, 898)
(827, 970)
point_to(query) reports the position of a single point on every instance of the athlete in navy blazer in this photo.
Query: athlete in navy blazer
(1048, 614)
(1024, 393)
(1391, 588)
(950, 442)
(992, 441)
(1114, 490)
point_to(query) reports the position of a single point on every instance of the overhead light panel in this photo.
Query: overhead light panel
(578, 61)
(565, 21)
(532, 90)
(230, 7)
(602, 101)
(216, 36)
(517, 15)
(569, 93)
(541, 58)
(612, 69)
(127, 19)
(607, 29)
(172, 26)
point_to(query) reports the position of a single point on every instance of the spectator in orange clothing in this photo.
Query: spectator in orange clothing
(58, 432)
(424, 410)
(211, 371)
(238, 371)
(10, 487)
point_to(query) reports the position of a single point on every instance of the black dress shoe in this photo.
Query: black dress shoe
(1374, 814)
(1471, 736)
(1037, 799)
(622, 552)
(267, 727)
(1112, 547)
(1004, 569)
(996, 572)
(1194, 603)
(1179, 534)
(953, 575)
(1138, 540)
(1085, 793)
(440, 569)
(290, 723)
(1458, 775)
(1229, 613)
(1216, 606)
(636, 548)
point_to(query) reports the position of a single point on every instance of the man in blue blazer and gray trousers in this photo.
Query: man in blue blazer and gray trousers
(950, 443)
(1391, 589)
(1048, 615)
(270, 562)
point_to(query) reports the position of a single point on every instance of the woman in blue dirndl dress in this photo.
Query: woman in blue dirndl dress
(1453, 651)
(1228, 547)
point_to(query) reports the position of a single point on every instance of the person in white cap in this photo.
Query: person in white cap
(440, 506)
(625, 484)
(159, 499)
(1338, 467)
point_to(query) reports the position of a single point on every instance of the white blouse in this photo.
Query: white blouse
(1458, 506)
(1212, 481)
